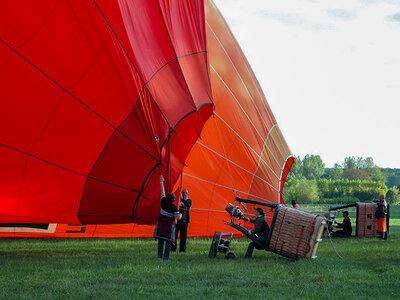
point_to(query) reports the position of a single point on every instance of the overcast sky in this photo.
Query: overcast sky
(330, 70)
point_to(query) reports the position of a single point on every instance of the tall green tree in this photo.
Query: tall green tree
(376, 174)
(337, 172)
(350, 163)
(313, 167)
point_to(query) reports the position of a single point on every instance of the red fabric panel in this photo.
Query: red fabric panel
(75, 130)
(49, 193)
(11, 174)
(182, 19)
(122, 163)
(196, 75)
(171, 92)
(146, 125)
(104, 203)
(19, 82)
(148, 36)
(72, 78)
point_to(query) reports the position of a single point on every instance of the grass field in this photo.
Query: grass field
(127, 268)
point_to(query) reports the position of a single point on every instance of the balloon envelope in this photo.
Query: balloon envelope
(103, 97)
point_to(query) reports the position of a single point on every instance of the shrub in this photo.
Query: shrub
(339, 200)
(392, 196)
(302, 190)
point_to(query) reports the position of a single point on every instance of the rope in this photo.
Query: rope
(330, 238)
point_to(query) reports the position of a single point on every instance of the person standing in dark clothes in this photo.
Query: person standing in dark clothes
(182, 224)
(165, 228)
(380, 215)
(345, 225)
(260, 232)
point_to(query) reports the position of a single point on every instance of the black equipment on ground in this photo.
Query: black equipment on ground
(221, 243)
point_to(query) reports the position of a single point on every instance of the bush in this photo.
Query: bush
(339, 200)
(392, 196)
(302, 190)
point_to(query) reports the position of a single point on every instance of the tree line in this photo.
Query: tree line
(357, 179)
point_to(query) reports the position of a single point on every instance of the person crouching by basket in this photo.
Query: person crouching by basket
(165, 228)
(260, 232)
(381, 214)
(345, 226)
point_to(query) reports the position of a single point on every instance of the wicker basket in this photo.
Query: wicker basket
(295, 233)
(366, 221)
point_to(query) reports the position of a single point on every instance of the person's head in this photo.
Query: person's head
(345, 214)
(293, 202)
(170, 198)
(258, 211)
(381, 197)
(185, 193)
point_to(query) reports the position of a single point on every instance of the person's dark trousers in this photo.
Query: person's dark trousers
(182, 228)
(161, 248)
(339, 233)
(383, 235)
(253, 245)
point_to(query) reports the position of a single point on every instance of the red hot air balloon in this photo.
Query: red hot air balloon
(98, 98)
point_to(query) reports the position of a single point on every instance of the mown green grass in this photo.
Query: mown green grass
(128, 268)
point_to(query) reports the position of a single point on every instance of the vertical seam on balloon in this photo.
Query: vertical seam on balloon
(241, 79)
(256, 84)
(41, 26)
(31, 148)
(226, 155)
(129, 58)
(224, 186)
(145, 183)
(258, 165)
(93, 167)
(201, 144)
(204, 41)
(173, 48)
(109, 25)
(255, 152)
(77, 99)
(246, 64)
(244, 112)
(286, 150)
(6, 63)
(180, 67)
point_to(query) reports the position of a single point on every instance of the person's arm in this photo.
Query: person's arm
(187, 202)
(177, 214)
(162, 186)
(249, 220)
